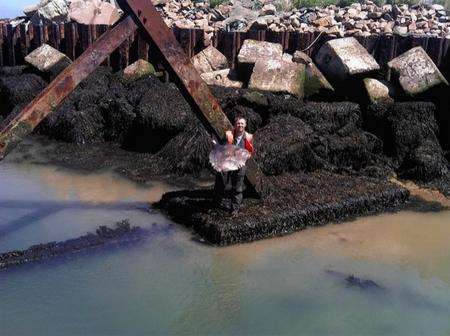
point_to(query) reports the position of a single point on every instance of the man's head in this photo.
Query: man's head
(239, 124)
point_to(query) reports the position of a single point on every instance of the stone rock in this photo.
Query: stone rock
(378, 91)
(268, 9)
(342, 58)
(48, 60)
(209, 60)
(358, 19)
(252, 51)
(94, 12)
(287, 57)
(437, 7)
(140, 68)
(159, 2)
(184, 24)
(30, 10)
(277, 75)
(315, 81)
(221, 78)
(400, 30)
(52, 10)
(326, 21)
(416, 71)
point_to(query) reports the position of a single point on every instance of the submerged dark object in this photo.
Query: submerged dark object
(354, 281)
(123, 232)
(292, 202)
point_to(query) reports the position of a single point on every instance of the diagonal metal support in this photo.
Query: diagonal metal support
(15, 129)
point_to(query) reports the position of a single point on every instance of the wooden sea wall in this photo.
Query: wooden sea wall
(73, 39)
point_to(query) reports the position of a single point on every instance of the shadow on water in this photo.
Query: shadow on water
(42, 209)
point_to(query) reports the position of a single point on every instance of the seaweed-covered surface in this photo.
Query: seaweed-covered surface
(123, 232)
(293, 203)
(410, 135)
(441, 184)
(18, 89)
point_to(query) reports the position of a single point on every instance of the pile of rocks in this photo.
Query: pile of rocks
(360, 19)
(97, 12)
(340, 63)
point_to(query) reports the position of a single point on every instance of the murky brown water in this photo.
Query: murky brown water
(171, 284)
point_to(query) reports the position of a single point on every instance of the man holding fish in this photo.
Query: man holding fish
(229, 162)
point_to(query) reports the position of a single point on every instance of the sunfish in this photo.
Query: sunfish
(228, 157)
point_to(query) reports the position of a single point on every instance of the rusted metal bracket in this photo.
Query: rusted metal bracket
(139, 13)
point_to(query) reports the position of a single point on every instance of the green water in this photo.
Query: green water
(171, 284)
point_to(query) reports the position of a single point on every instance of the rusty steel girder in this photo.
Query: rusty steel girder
(14, 129)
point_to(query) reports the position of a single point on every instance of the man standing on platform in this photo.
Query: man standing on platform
(242, 139)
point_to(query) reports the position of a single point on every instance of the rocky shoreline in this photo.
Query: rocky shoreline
(342, 19)
(361, 18)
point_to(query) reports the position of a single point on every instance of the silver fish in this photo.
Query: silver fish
(228, 157)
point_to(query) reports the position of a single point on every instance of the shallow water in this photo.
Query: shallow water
(170, 284)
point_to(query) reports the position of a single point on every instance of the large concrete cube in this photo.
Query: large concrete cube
(278, 75)
(340, 59)
(48, 60)
(209, 60)
(252, 51)
(416, 71)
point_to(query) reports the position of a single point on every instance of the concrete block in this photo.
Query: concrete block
(340, 59)
(252, 51)
(378, 91)
(48, 60)
(416, 71)
(277, 75)
(140, 68)
(209, 60)
(315, 81)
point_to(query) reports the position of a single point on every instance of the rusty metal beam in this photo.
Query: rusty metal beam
(194, 88)
(16, 128)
